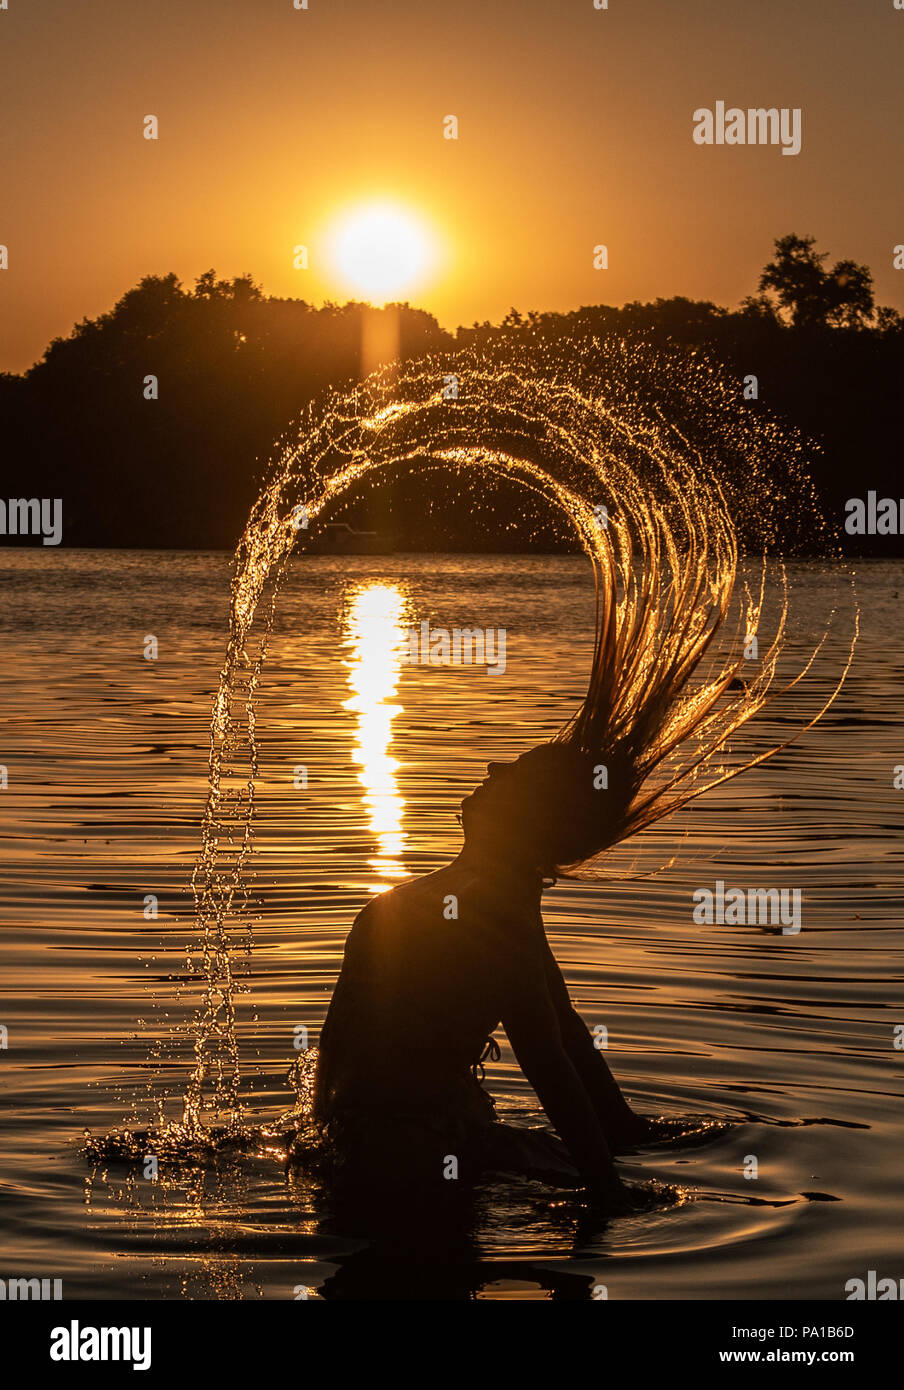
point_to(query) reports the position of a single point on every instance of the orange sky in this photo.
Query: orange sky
(575, 129)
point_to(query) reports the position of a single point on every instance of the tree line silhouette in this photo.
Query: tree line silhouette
(235, 367)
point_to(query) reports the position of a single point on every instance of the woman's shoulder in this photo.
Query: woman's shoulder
(457, 894)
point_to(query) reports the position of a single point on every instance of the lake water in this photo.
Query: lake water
(790, 1039)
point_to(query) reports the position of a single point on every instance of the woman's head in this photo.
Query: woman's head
(553, 807)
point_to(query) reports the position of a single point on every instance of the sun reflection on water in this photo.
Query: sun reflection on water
(374, 631)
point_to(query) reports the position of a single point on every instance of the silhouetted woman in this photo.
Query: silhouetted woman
(433, 966)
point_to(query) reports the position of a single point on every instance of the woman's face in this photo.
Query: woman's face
(523, 808)
(505, 783)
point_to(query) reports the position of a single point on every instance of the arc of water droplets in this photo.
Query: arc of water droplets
(575, 447)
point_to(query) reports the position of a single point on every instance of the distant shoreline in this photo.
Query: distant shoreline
(788, 558)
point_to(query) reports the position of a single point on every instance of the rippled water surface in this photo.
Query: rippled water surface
(789, 1040)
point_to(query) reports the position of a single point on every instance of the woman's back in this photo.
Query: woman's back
(423, 985)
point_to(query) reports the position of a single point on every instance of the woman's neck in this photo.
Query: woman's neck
(525, 879)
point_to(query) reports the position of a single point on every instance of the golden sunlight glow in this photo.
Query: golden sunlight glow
(375, 633)
(380, 249)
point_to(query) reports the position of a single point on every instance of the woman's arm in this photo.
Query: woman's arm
(619, 1122)
(531, 1021)
(533, 1031)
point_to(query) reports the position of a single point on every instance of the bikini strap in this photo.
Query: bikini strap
(491, 1051)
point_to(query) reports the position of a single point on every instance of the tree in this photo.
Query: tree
(850, 290)
(241, 288)
(809, 295)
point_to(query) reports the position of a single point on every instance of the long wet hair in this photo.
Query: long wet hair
(670, 680)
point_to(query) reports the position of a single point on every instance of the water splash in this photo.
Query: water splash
(657, 467)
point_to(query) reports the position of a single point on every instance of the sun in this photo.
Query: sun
(380, 249)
